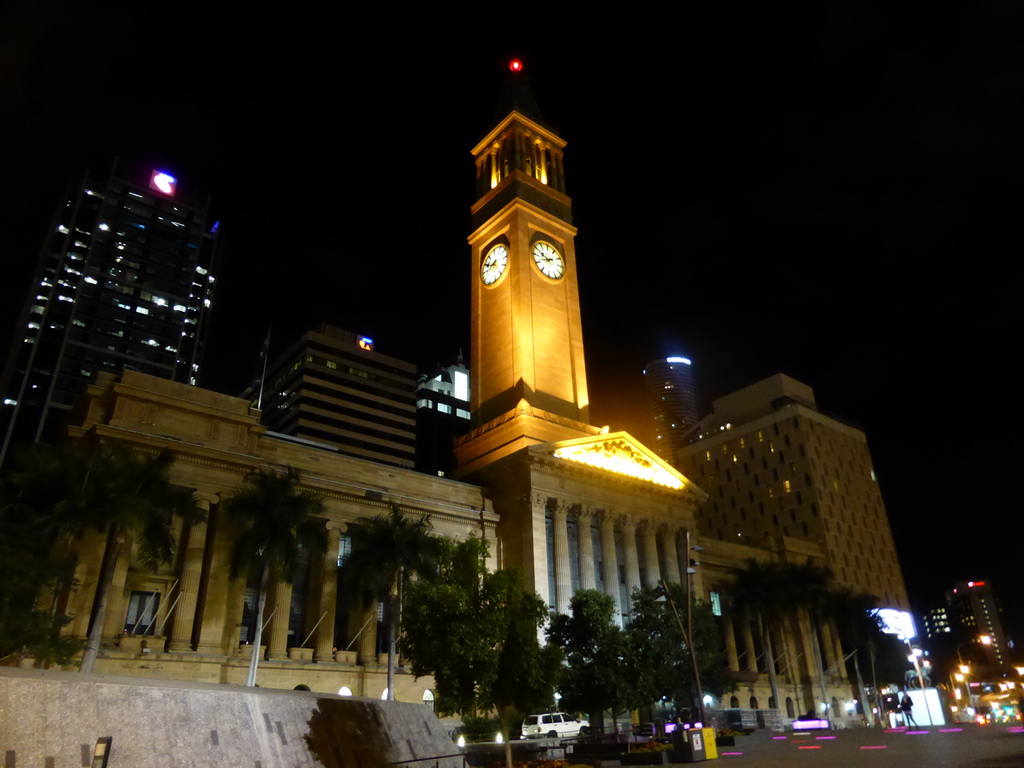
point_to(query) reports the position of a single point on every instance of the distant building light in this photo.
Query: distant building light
(365, 342)
(163, 182)
(678, 360)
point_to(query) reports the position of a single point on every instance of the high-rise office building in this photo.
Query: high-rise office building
(125, 279)
(774, 465)
(442, 414)
(974, 617)
(333, 388)
(672, 393)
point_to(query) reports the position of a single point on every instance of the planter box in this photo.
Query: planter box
(142, 643)
(647, 758)
(345, 657)
(300, 654)
(245, 651)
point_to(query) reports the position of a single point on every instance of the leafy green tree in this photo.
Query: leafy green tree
(28, 564)
(387, 551)
(476, 632)
(274, 515)
(110, 488)
(601, 670)
(663, 664)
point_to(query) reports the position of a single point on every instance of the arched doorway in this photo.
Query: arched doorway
(734, 702)
(753, 702)
(790, 711)
(301, 687)
(428, 699)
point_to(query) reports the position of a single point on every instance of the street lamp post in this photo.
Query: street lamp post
(687, 631)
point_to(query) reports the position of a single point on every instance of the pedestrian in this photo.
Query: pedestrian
(906, 707)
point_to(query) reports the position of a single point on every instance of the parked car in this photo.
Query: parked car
(554, 725)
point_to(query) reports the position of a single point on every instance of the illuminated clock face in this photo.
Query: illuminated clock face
(494, 264)
(548, 259)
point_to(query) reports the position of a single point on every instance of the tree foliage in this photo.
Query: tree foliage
(29, 565)
(663, 666)
(273, 515)
(601, 672)
(107, 487)
(387, 551)
(476, 632)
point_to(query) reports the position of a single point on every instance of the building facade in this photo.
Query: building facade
(569, 504)
(672, 394)
(774, 465)
(442, 414)
(975, 617)
(332, 387)
(125, 279)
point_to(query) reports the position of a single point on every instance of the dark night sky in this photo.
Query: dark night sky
(833, 194)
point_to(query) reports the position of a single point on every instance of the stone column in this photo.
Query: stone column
(632, 561)
(89, 560)
(117, 601)
(670, 554)
(214, 615)
(729, 633)
(180, 640)
(535, 547)
(750, 661)
(277, 646)
(610, 561)
(831, 642)
(328, 596)
(587, 577)
(563, 577)
(367, 643)
(652, 572)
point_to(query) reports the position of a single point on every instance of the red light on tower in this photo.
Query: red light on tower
(515, 65)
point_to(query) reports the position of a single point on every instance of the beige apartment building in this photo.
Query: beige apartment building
(774, 465)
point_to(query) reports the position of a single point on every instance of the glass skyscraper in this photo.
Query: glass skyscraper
(125, 279)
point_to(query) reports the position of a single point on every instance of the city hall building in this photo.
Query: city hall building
(569, 503)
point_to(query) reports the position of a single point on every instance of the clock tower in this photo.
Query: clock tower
(529, 381)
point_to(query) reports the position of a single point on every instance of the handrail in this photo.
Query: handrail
(434, 757)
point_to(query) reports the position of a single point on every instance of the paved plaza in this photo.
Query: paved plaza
(956, 746)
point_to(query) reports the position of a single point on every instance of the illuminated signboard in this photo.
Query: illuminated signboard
(365, 342)
(163, 182)
(899, 623)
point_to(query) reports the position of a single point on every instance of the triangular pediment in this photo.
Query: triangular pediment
(622, 454)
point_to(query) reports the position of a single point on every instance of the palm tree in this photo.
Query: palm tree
(274, 514)
(859, 629)
(762, 590)
(386, 551)
(110, 488)
(809, 586)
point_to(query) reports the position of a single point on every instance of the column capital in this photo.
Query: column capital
(583, 513)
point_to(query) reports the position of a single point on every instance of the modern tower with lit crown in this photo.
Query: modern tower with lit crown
(672, 393)
(125, 280)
